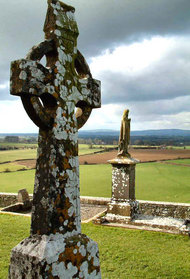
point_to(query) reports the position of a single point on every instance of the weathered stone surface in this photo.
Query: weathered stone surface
(164, 209)
(7, 199)
(121, 212)
(55, 256)
(123, 182)
(50, 95)
(23, 197)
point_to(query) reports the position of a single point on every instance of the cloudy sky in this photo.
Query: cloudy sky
(139, 49)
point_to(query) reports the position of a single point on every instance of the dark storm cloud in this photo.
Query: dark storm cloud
(102, 24)
(108, 23)
(21, 23)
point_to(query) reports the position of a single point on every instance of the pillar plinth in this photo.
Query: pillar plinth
(123, 203)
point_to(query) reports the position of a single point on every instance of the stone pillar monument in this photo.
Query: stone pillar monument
(123, 203)
(56, 248)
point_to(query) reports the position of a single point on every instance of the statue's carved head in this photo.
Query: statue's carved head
(125, 114)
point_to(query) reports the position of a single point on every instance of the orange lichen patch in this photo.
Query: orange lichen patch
(67, 203)
(64, 114)
(38, 232)
(70, 224)
(48, 77)
(58, 199)
(59, 210)
(61, 257)
(52, 167)
(68, 153)
(55, 95)
(66, 164)
(66, 176)
(55, 70)
(65, 213)
(75, 259)
(91, 266)
(61, 179)
(61, 220)
(50, 271)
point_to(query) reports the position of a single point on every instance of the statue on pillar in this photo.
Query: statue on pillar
(124, 138)
(123, 203)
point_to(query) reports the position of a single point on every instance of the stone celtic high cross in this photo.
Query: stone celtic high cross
(56, 248)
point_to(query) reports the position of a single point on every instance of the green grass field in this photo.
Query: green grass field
(11, 167)
(12, 155)
(163, 182)
(18, 145)
(178, 147)
(84, 149)
(180, 161)
(154, 181)
(124, 254)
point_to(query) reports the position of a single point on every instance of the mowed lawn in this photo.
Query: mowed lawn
(154, 181)
(124, 254)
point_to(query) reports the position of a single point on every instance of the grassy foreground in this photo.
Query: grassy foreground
(124, 254)
(154, 181)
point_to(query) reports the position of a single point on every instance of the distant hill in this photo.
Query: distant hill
(114, 133)
(160, 133)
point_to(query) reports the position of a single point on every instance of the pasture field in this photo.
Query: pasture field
(19, 145)
(178, 147)
(162, 182)
(11, 167)
(123, 253)
(182, 161)
(144, 155)
(84, 149)
(22, 154)
(14, 181)
(154, 181)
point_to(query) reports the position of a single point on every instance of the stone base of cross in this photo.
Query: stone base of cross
(55, 256)
(56, 248)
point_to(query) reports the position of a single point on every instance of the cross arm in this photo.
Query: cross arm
(28, 76)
